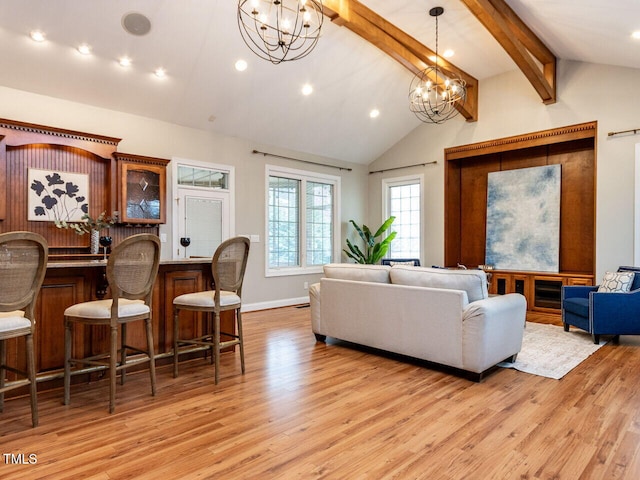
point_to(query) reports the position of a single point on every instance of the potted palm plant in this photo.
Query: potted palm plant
(373, 250)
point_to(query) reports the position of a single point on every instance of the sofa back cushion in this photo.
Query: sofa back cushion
(474, 282)
(357, 272)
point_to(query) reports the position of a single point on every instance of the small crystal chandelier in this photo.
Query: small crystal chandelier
(280, 30)
(433, 97)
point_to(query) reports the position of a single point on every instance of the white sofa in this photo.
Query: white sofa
(442, 316)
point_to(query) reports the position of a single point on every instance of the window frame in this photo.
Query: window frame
(387, 183)
(303, 176)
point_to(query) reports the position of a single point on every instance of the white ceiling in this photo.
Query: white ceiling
(197, 42)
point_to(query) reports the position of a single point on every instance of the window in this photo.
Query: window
(403, 199)
(193, 176)
(301, 221)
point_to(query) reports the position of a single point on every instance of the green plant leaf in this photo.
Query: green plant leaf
(385, 226)
(355, 253)
(359, 230)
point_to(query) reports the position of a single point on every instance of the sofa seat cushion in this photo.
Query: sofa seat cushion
(474, 282)
(357, 272)
(577, 306)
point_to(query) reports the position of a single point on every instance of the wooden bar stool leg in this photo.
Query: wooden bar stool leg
(176, 329)
(210, 331)
(216, 346)
(150, 352)
(67, 361)
(241, 338)
(113, 357)
(123, 353)
(31, 372)
(3, 362)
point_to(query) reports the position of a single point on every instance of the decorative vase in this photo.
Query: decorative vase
(95, 242)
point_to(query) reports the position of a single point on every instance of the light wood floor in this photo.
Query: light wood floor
(309, 410)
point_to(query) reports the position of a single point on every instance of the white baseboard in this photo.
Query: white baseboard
(285, 302)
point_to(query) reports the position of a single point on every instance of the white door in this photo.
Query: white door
(203, 222)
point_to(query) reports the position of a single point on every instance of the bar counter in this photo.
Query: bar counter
(71, 281)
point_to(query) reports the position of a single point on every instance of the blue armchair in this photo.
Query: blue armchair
(601, 313)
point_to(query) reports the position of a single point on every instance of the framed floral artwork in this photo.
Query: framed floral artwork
(55, 195)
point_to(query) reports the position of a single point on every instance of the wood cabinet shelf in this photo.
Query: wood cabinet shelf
(541, 289)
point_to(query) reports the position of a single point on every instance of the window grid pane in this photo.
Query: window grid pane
(404, 204)
(202, 177)
(319, 228)
(284, 222)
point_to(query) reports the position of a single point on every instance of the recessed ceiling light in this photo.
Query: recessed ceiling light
(124, 62)
(160, 72)
(307, 89)
(448, 53)
(37, 36)
(636, 35)
(84, 49)
(375, 113)
(241, 65)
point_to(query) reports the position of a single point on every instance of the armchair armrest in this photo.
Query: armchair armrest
(628, 303)
(578, 291)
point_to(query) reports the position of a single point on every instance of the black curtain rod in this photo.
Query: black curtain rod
(634, 131)
(303, 161)
(406, 166)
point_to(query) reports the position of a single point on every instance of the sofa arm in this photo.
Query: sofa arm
(577, 291)
(314, 304)
(493, 330)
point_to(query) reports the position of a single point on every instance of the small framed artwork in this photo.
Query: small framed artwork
(142, 193)
(57, 196)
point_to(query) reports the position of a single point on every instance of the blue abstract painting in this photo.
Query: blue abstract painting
(523, 219)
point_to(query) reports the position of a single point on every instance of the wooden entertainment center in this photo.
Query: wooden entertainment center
(466, 169)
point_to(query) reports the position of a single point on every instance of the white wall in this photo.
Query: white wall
(508, 105)
(145, 136)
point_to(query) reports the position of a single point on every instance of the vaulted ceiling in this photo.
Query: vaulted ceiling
(197, 42)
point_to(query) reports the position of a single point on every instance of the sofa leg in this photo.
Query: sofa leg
(566, 327)
(512, 358)
(616, 339)
(596, 339)
(320, 338)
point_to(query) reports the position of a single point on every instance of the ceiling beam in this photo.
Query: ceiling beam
(399, 45)
(529, 53)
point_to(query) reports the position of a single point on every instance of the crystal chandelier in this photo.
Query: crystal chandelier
(280, 30)
(433, 97)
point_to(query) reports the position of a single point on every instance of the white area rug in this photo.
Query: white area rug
(549, 351)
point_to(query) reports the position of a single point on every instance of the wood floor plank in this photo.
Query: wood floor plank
(331, 411)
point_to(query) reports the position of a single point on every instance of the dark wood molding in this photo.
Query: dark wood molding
(543, 137)
(22, 133)
(131, 158)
